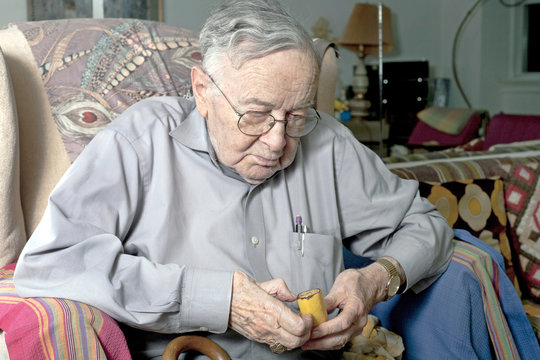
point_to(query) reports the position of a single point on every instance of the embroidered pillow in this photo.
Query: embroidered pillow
(522, 196)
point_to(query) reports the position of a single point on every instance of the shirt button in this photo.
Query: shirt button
(203, 328)
(254, 240)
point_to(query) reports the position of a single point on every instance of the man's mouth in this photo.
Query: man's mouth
(263, 161)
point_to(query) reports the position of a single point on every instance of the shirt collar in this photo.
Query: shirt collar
(192, 133)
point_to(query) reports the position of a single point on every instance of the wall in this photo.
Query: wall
(422, 29)
(12, 11)
(411, 39)
(495, 70)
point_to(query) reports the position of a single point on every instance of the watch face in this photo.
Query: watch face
(393, 286)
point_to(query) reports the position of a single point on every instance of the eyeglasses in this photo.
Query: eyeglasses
(256, 123)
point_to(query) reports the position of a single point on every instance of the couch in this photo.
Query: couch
(60, 83)
(489, 192)
(501, 184)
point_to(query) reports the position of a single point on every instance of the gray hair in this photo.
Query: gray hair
(248, 29)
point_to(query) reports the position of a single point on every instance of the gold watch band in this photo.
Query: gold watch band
(388, 266)
(394, 282)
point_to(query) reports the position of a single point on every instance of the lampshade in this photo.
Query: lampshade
(363, 29)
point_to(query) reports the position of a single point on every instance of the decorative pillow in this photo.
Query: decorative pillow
(478, 207)
(522, 196)
(508, 128)
(448, 120)
(427, 135)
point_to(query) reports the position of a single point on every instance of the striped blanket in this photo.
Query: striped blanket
(487, 272)
(47, 328)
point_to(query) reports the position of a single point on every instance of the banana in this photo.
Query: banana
(312, 302)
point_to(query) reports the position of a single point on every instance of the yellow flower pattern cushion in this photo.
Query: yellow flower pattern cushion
(477, 206)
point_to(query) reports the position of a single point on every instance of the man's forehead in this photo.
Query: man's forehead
(258, 101)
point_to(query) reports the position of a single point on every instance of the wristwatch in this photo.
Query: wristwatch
(394, 282)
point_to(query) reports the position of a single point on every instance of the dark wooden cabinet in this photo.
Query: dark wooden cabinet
(405, 93)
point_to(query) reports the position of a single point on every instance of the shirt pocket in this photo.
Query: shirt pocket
(317, 264)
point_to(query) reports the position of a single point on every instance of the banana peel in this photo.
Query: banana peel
(375, 343)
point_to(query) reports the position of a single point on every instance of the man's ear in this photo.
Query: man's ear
(199, 84)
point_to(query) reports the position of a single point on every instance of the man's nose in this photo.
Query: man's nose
(275, 137)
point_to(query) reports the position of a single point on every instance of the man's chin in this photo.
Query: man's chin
(260, 175)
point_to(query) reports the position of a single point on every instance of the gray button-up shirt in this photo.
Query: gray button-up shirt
(148, 226)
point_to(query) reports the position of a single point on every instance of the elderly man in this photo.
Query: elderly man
(181, 215)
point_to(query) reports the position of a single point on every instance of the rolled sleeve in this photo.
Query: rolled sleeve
(206, 300)
(385, 216)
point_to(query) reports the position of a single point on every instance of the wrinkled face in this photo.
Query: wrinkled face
(279, 83)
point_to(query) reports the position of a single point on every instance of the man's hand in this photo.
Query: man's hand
(258, 313)
(355, 292)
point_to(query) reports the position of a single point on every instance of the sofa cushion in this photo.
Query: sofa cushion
(478, 207)
(522, 197)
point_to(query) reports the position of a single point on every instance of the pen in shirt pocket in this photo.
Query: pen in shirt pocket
(300, 230)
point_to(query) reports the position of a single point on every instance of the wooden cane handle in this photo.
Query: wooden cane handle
(193, 342)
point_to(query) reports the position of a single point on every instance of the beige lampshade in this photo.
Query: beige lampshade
(363, 29)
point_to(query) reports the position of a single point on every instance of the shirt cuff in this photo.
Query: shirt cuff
(206, 300)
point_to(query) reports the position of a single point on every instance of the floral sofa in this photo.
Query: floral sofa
(485, 306)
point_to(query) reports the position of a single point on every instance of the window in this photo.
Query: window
(525, 38)
(531, 61)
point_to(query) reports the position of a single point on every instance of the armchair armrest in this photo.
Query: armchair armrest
(12, 232)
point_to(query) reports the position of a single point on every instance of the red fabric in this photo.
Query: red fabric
(50, 328)
(423, 134)
(507, 128)
(9, 267)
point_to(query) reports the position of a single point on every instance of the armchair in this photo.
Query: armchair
(61, 81)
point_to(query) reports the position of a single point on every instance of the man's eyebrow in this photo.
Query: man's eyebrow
(305, 105)
(257, 101)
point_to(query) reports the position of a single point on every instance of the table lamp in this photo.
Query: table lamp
(361, 35)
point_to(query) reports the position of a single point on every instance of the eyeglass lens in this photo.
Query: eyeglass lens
(257, 123)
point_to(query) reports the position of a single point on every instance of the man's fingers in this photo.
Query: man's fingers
(278, 288)
(333, 342)
(343, 321)
(293, 323)
(331, 302)
(259, 313)
(293, 340)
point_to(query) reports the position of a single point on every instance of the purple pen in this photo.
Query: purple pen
(298, 226)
